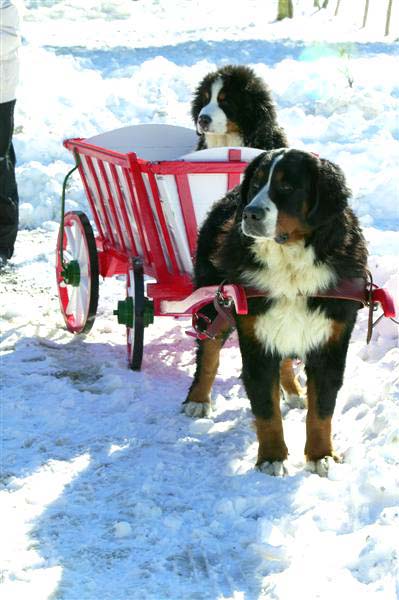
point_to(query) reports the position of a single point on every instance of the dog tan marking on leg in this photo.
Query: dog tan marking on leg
(201, 390)
(289, 380)
(270, 434)
(318, 430)
(338, 329)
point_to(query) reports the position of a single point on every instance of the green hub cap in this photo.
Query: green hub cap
(148, 316)
(71, 273)
(125, 312)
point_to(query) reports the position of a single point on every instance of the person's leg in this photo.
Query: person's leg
(8, 184)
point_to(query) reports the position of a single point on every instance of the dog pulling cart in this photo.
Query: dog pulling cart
(147, 205)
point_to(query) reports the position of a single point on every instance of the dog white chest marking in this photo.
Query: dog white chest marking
(216, 140)
(289, 275)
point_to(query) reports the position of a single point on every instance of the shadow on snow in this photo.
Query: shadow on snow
(121, 61)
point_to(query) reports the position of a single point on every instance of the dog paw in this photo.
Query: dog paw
(196, 409)
(294, 401)
(275, 469)
(322, 466)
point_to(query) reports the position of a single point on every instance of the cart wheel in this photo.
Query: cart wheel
(135, 332)
(77, 278)
(136, 312)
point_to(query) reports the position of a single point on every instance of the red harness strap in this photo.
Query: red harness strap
(357, 289)
(347, 289)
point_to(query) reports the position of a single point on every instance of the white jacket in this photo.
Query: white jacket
(9, 43)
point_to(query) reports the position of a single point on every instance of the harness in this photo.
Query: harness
(357, 289)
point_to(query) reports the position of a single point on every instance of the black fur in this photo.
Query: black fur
(318, 200)
(248, 104)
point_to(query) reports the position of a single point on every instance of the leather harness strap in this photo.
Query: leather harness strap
(347, 289)
(225, 314)
(356, 289)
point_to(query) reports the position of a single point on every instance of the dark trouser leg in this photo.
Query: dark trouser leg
(8, 185)
(325, 371)
(261, 377)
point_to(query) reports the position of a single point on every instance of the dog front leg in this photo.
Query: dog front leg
(198, 401)
(263, 389)
(261, 377)
(294, 393)
(325, 371)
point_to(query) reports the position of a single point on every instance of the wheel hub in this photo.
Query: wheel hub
(125, 312)
(71, 273)
(148, 316)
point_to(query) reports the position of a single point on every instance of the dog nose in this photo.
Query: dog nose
(204, 121)
(254, 213)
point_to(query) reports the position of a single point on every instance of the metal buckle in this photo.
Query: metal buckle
(201, 333)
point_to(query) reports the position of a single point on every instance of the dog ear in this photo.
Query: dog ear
(196, 104)
(330, 192)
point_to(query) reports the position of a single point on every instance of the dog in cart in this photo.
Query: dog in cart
(232, 106)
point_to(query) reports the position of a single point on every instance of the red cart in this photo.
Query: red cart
(147, 206)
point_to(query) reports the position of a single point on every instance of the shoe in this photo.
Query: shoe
(3, 261)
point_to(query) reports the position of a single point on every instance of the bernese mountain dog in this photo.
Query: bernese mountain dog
(287, 231)
(234, 107)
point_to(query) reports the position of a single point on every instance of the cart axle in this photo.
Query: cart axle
(71, 273)
(125, 312)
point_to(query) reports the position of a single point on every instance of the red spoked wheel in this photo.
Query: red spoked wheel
(136, 312)
(77, 272)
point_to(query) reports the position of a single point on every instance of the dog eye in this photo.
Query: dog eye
(285, 188)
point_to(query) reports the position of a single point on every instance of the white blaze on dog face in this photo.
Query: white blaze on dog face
(266, 226)
(218, 119)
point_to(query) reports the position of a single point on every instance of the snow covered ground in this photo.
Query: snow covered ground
(108, 491)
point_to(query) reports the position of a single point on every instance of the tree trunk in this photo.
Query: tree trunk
(325, 4)
(337, 8)
(388, 21)
(285, 10)
(366, 12)
(316, 4)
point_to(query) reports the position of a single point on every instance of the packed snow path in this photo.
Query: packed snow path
(107, 490)
(112, 493)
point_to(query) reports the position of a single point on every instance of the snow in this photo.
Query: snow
(108, 490)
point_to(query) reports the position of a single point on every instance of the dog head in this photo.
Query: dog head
(231, 100)
(287, 194)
